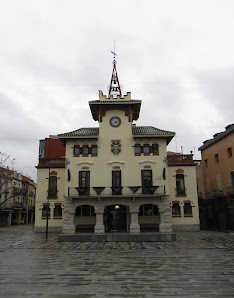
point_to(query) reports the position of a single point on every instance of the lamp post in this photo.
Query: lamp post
(47, 207)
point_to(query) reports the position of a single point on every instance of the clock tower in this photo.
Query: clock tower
(115, 112)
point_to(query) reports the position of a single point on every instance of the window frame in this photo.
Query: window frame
(49, 211)
(191, 208)
(174, 203)
(144, 147)
(229, 152)
(139, 147)
(74, 150)
(58, 216)
(216, 157)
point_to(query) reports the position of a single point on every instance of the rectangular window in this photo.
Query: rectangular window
(206, 163)
(58, 211)
(116, 183)
(176, 209)
(85, 150)
(137, 149)
(84, 182)
(146, 180)
(155, 149)
(216, 158)
(44, 211)
(180, 187)
(52, 192)
(188, 209)
(229, 152)
(218, 181)
(146, 149)
(94, 150)
(76, 150)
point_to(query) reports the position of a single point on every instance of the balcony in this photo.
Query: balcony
(180, 159)
(230, 191)
(51, 163)
(52, 194)
(181, 192)
(218, 193)
(126, 191)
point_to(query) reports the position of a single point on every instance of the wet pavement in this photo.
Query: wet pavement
(198, 264)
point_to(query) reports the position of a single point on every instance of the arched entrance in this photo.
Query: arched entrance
(115, 218)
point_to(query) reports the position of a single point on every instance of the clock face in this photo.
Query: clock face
(115, 121)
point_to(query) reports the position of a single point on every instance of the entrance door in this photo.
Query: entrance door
(115, 218)
(84, 182)
(146, 178)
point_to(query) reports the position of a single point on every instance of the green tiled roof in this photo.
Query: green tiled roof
(89, 131)
(136, 130)
(150, 130)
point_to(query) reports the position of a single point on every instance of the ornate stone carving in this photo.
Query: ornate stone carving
(115, 147)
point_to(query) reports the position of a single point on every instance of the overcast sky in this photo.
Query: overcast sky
(176, 56)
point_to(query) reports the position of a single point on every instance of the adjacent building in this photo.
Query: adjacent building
(215, 178)
(115, 177)
(17, 198)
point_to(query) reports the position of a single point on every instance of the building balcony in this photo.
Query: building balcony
(181, 192)
(126, 191)
(230, 191)
(180, 159)
(218, 193)
(52, 194)
(51, 163)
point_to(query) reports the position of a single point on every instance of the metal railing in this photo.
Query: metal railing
(177, 159)
(52, 194)
(181, 192)
(130, 191)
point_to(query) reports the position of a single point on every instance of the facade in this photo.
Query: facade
(215, 176)
(14, 197)
(114, 177)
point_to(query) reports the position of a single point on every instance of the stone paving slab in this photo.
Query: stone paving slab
(198, 264)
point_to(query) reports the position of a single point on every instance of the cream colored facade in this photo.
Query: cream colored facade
(101, 166)
(185, 221)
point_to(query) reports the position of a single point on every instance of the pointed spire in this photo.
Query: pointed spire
(114, 88)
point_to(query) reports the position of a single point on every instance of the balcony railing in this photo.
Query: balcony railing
(218, 193)
(52, 194)
(51, 163)
(180, 159)
(181, 192)
(230, 191)
(126, 191)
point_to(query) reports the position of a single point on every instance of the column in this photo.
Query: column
(99, 227)
(165, 225)
(134, 226)
(69, 222)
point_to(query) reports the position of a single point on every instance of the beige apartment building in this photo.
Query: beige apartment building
(115, 177)
(216, 180)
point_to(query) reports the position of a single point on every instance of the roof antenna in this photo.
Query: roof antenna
(114, 88)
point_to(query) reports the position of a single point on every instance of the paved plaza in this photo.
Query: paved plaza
(198, 264)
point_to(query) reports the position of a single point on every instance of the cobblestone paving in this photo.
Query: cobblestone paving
(198, 264)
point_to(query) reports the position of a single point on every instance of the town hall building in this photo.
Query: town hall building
(115, 177)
